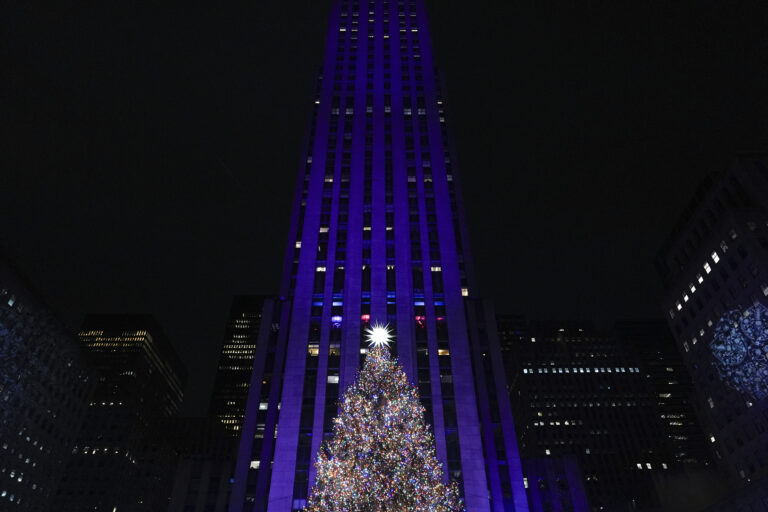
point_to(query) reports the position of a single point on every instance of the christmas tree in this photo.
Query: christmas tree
(381, 456)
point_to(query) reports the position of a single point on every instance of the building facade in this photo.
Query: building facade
(377, 235)
(44, 390)
(233, 374)
(555, 484)
(714, 268)
(651, 344)
(204, 463)
(139, 379)
(578, 391)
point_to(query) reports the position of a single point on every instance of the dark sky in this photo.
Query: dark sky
(149, 155)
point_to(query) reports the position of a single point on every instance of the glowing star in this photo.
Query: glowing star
(378, 335)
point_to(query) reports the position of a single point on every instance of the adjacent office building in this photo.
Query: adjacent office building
(44, 389)
(578, 391)
(555, 483)
(204, 462)
(377, 235)
(652, 346)
(139, 379)
(714, 267)
(233, 375)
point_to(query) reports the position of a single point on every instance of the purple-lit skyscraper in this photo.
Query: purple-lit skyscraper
(377, 235)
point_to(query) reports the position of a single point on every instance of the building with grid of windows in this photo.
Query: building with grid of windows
(139, 379)
(377, 235)
(714, 268)
(579, 391)
(44, 390)
(233, 375)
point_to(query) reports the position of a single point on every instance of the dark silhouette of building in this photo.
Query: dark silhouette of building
(377, 236)
(204, 463)
(578, 391)
(117, 462)
(653, 346)
(44, 388)
(714, 268)
(233, 376)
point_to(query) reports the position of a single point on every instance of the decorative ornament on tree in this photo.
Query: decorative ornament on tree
(381, 457)
(378, 335)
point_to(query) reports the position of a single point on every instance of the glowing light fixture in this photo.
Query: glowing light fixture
(378, 335)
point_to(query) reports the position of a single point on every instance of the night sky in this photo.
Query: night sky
(150, 155)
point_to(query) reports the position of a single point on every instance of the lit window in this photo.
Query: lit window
(525, 483)
(546, 451)
(320, 269)
(263, 406)
(715, 256)
(664, 465)
(435, 269)
(333, 379)
(678, 305)
(639, 466)
(711, 439)
(648, 465)
(699, 278)
(723, 247)
(685, 346)
(255, 464)
(711, 403)
(443, 352)
(324, 229)
(465, 291)
(685, 298)
(692, 288)
(707, 268)
(298, 244)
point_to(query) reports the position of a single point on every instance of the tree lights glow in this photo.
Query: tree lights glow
(381, 457)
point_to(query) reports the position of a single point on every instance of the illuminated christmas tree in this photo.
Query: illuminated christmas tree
(381, 457)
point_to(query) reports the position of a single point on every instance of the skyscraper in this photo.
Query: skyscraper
(377, 235)
(233, 374)
(578, 391)
(714, 267)
(139, 379)
(44, 390)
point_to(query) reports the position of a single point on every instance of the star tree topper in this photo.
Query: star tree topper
(378, 335)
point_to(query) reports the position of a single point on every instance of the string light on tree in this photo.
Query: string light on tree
(381, 457)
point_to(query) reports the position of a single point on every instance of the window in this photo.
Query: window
(699, 278)
(707, 268)
(715, 256)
